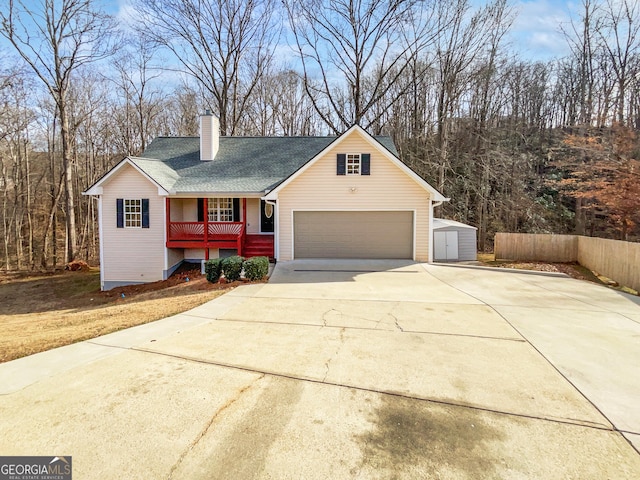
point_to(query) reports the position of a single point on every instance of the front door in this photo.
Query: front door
(267, 215)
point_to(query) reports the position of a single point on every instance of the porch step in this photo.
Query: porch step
(258, 246)
(259, 243)
(257, 252)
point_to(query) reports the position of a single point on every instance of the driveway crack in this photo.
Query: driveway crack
(335, 354)
(207, 427)
(324, 316)
(395, 319)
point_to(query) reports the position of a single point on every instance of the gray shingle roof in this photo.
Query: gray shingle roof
(242, 164)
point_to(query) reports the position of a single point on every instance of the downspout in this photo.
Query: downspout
(433, 205)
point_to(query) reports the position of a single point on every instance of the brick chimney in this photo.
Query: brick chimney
(209, 136)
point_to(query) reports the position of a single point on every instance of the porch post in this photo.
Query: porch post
(205, 209)
(244, 215)
(244, 226)
(168, 217)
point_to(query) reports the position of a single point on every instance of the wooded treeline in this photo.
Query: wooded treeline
(518, 145)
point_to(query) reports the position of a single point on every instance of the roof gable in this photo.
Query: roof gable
(375, 143)
(96, 188)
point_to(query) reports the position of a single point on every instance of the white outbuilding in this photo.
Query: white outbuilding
(453, 241)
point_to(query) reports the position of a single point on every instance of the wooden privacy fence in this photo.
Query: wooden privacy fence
(614, 259)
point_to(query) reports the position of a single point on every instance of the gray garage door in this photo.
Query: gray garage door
(353, 234)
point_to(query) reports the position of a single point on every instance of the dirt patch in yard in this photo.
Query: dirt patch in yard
(572, 269)
(48, 310)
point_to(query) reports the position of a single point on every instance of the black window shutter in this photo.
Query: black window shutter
(342, 164)
(365, 168)
(120, 213)
(236, 209)
(201, 209)
(145, 213)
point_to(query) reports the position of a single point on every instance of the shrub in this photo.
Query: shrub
(256, 268)
(213, 269)
(232, 267)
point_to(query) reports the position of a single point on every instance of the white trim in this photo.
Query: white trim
(415, 232)
(164, 235)
(430, 258)
(217, 194)
(96, 188)
(436, 196)
(101, 242)
(276, 228)
(293, 233)
(415, 217)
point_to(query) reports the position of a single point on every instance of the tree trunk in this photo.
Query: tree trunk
(67, 165)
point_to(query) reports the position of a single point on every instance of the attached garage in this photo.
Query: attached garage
(353, 234)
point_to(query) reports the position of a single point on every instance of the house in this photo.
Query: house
(189, 199)
(454, 241)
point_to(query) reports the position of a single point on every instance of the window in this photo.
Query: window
(133, 213)
(220, 209)
(353, 164)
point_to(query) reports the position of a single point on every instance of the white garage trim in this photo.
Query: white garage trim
(413, 212)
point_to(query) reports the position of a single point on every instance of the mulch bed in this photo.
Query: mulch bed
(186, 276)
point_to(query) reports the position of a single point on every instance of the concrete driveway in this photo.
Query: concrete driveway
(349, 369)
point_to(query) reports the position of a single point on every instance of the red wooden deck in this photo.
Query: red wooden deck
(208, 235)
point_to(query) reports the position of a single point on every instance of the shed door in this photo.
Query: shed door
(353, 234)
(445, 245)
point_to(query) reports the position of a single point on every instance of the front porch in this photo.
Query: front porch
(191, 224)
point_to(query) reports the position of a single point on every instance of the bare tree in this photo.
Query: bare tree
(464, 37)
(15, 168)
(280, 106)
(580, 39)
(619, 31)
(140, 97)
(55, 38)
(353, 52)
(180, 112)
(225, 45)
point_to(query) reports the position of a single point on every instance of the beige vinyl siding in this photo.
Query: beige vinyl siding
(189, 210)
(198, 253)
(387, 188)
(132, 254)
(175, 207)
(253, 215)
(174, 256)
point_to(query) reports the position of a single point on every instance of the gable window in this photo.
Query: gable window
(220, 209)
(353, 164)
(132, 213)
